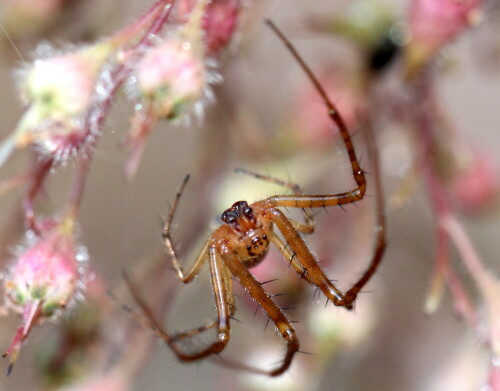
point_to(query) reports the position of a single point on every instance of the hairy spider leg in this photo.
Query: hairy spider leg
(311, 274)
(230, 302)
(184, 276)
(224, 302)
(257, 292)
(380, 228)
(315, 201)
(207, 252)
(312, 201)
(307, 226)
(302, 260)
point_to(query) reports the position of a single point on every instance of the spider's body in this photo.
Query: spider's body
(245, 233)
(244, 240)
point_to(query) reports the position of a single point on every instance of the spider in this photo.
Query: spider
(244, 239)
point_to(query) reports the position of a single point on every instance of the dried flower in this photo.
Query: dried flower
(42, 281)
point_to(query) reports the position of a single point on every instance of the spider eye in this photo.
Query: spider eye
(228, 217)
(248, 212)
(239, 205)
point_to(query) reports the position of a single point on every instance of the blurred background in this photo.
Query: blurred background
(265, 116)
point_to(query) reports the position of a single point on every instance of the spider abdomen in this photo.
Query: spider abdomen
(254, 248)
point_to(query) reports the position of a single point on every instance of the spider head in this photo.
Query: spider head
(237, 214)
(250, 240)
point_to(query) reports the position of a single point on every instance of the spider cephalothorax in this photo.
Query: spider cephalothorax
(243, 240)
(238, 214)
(247, 234)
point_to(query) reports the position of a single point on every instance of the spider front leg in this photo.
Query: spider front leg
(315, 201)
(184, 276)
(307, 226)
(296, 251)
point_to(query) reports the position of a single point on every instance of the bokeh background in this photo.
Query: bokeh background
(388, 342)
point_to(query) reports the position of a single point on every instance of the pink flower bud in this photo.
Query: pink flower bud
(59, 91)
(219, 22)
(43, 280)
(47, 271)
(171, 76)
(435, 23)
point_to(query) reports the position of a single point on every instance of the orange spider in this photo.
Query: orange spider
(244, 239)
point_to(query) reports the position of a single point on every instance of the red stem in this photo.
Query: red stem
(425, 119)
(98, 113)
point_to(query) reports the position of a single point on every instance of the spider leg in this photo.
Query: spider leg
(308, 225)
(255, 290)
(184, 276)
(301, 258)
(222, 289)
(289, 254)
(230, 302)
(380, 241)
(313, 201)
(192, 272)
(304, 201)
(193, 332)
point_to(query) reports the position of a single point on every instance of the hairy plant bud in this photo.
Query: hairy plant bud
(43, 280)
(59, 91)
(171, 76)
(219, 22)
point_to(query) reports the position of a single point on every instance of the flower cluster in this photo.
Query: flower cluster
(68, 95)
(43, 279)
